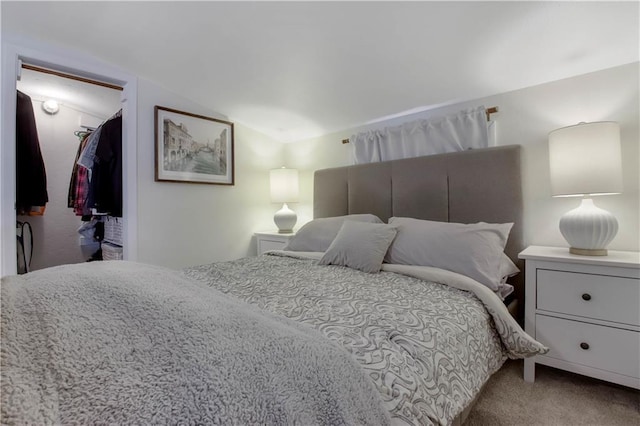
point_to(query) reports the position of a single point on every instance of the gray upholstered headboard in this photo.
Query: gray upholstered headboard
(465, 187)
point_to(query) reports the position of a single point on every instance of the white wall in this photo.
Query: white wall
(181, 224)
(526, 117)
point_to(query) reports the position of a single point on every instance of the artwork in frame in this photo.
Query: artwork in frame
(193, 148)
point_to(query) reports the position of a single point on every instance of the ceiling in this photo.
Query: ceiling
(295, 70)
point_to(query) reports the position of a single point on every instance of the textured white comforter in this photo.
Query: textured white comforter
(124, 343)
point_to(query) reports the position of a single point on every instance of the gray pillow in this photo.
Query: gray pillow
(360, 245)
(318, 234)
(474, 250)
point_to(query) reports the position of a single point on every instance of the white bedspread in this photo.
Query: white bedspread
(124, 343)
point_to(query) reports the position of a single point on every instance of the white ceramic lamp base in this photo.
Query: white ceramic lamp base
(588, 229)
(285, 219)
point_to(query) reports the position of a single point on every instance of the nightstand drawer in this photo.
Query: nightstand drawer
(600, 297)
(605, 348)
(266, 245)
(266, 241)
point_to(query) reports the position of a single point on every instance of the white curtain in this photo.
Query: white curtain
(467, 129)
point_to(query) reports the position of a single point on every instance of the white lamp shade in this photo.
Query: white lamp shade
(284, 185)
(585, 159)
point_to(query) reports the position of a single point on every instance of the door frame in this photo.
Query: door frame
(40, 54)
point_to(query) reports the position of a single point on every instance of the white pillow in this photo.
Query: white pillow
(318, 234)
(360, 245)
(474, 250)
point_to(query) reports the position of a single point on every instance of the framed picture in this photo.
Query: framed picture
(193, 148)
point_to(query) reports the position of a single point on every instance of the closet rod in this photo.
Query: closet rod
(489, 111)
(71, 76)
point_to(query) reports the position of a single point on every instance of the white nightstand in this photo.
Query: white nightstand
(586, 309)
(272, 240)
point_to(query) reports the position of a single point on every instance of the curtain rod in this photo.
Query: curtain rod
(489, 111)
(70, 76)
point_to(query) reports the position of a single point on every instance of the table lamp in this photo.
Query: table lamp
(284, 189)
(585, 161)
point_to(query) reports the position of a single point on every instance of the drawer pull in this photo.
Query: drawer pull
(584, 346)
(586, 296)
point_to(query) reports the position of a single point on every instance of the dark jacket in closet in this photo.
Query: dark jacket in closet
(31, 177)
(106, 178)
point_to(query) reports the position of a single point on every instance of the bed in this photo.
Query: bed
(323, 332)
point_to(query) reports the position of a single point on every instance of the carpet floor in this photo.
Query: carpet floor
(555, 398)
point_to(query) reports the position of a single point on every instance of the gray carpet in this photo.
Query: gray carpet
(556, 398)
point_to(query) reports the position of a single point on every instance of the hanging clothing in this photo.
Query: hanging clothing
(89, 150)
(458, 132)
(96, 179)
(79, 184)
(31, 176)
(105, 192)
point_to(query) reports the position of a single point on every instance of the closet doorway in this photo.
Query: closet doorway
(65, 110)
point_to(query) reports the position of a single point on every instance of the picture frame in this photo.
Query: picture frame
(193, 148)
